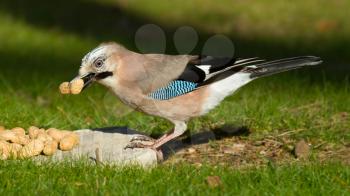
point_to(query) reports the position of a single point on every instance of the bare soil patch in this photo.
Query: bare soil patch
(239, 151)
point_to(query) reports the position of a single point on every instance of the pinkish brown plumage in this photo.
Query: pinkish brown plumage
(175, 87)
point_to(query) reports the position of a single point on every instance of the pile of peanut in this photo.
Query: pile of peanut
(73, 87)
(16, 144)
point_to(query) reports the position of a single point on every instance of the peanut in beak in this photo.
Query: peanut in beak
(74, 87)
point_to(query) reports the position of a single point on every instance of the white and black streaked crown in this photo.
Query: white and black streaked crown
(94, 54)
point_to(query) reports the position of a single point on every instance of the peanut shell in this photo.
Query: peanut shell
(14, 150)
(4, 150)
(56, 134)
(7, 135)
(64, 88)
(76, 86)
(69, 142)
(20, 139)
(33, 132)
(50, 147)
(44, 137)
(19, 131)
(33, 148)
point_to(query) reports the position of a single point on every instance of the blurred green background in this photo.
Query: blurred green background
(42, 43)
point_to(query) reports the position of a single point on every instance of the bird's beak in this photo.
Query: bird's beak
(88, 79)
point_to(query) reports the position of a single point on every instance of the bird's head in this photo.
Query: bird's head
(100, 65)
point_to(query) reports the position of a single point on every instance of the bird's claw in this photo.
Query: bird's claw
(142, 138)
(140, 141)
(133, 145)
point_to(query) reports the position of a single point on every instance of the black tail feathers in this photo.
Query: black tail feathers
(277, 66)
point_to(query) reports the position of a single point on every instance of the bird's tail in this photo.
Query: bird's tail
(277, 66)
(248, 70)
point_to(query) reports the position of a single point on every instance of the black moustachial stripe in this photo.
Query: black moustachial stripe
(103, 75)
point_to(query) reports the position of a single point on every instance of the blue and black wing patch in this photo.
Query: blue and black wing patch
(173, 89)
(199, 72)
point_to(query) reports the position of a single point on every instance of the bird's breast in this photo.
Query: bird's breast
(178, 108)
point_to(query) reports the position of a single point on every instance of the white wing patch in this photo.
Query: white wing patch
(249, 62)
(205, 68)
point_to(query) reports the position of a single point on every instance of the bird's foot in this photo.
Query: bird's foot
(141, 141)
(142, 138)
(152, 146)
(133, 145)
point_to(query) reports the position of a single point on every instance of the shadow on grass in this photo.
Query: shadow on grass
(203, 137)
(187, 140)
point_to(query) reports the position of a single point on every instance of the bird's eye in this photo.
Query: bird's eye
(99, 63)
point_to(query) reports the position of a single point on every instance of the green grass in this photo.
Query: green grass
(32, 73)
(42, 47)
(79, 178)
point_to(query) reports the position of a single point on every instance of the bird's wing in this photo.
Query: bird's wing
(205, 67)
(167, 76)
(199, 71)
(159, 70)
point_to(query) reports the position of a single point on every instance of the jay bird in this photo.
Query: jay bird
(175, 87)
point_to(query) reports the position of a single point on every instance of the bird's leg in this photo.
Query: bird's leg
(180, 128)
(165, 135)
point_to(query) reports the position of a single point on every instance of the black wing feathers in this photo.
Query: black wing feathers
(206, 67)
(216, 63)
(195, 72)
(192, 74)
